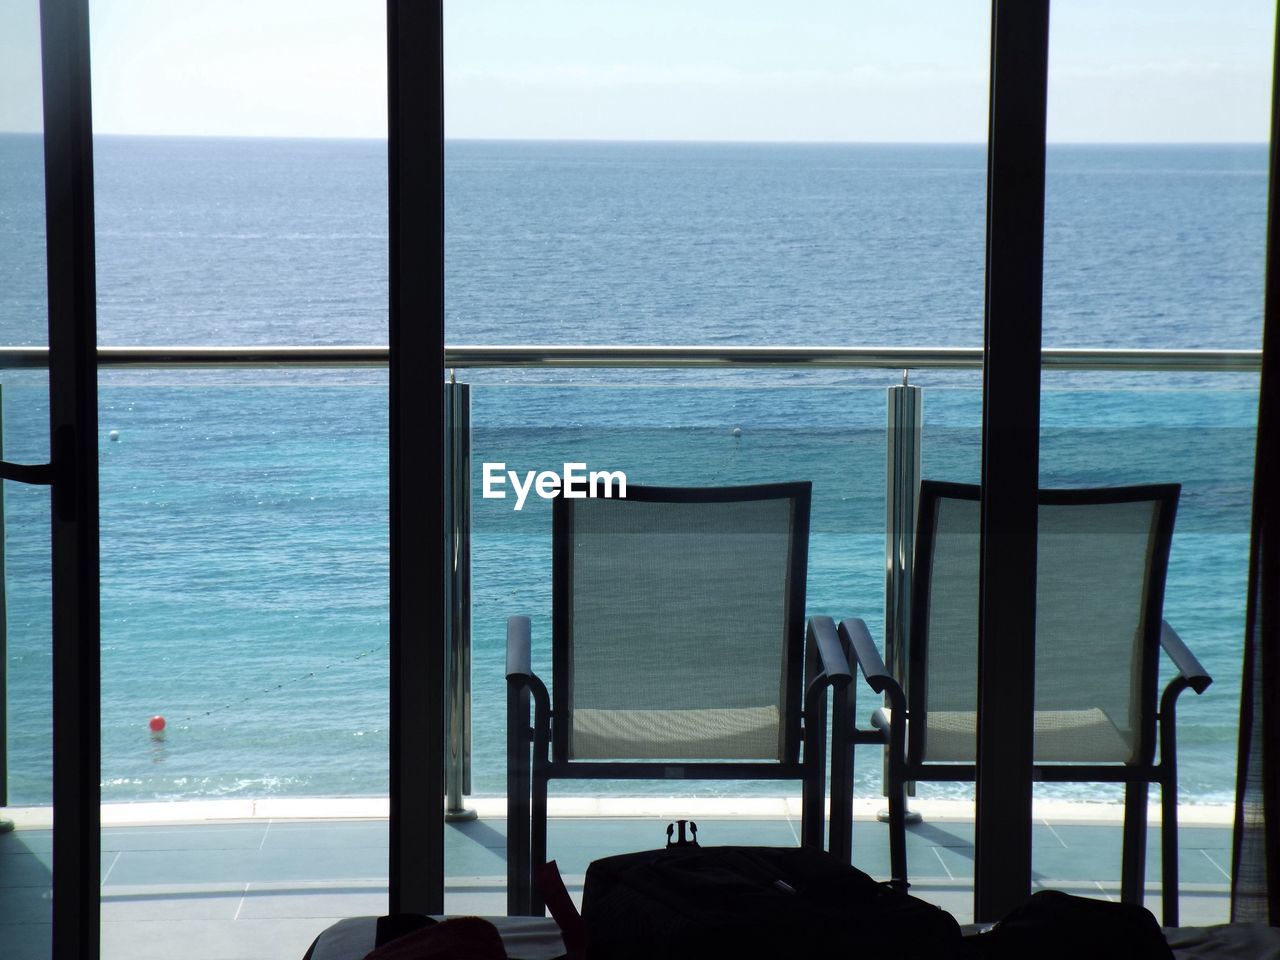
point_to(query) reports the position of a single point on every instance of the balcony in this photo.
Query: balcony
(223, 882)
(244, 595)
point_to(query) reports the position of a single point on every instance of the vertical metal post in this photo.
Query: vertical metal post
(902, 493)
(902, 482)
(457, 406)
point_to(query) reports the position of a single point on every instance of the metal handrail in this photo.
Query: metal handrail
(579, 355)
(898, 358)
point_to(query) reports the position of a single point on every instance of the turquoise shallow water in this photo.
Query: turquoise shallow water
(244, 562)
(244, 513)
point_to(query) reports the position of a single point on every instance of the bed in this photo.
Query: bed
(534, 938)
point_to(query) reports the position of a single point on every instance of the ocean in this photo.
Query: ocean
(244, 513)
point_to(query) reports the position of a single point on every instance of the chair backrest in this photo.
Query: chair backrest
(678, 623)
(1100, 579)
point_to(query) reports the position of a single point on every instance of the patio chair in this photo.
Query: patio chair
(678, 651)
(1100, 589)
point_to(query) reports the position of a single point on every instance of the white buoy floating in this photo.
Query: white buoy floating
(114, 436)
(737, 431)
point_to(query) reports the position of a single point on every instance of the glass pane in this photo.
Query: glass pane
(1154, 239)
(246, 523)
(675, 175)
(242, 200)
(26, 722)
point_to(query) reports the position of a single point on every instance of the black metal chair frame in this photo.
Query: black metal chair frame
(538, 753)
(905, 747)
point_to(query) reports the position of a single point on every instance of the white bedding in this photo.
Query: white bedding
(1231, 941)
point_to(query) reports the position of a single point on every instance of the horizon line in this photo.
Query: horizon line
(657, 140)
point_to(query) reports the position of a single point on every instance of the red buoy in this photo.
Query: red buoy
(156, 723)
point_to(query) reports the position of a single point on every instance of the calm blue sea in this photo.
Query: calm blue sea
(244, 518)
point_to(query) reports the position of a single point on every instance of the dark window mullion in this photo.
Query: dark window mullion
(73, 417)
(1010, 453)
(415, 149)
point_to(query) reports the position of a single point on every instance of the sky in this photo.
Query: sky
(781, 70)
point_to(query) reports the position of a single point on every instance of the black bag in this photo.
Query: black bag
(711, 902)
(1057, 926)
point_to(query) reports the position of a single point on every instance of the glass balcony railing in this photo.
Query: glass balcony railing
(244, 529)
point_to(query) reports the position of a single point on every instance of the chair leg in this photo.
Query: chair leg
(811, 807)
(1133, 863)
(898, 825)
(840, 830)
(538, 838)
(519, 869)
(844, 737)
(813, 786)
(1168, 819)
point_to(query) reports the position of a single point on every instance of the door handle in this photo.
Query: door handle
(44, 474)
(37, 473)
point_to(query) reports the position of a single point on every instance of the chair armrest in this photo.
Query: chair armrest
(835, 665)
(519, 656)
(856, 634)
(1188, 666)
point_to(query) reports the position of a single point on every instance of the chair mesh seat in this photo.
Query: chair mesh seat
(742, 733)
(1093, 624)
(676, 624)
(1061, 736)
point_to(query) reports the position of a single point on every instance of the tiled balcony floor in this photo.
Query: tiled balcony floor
(262, 889)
